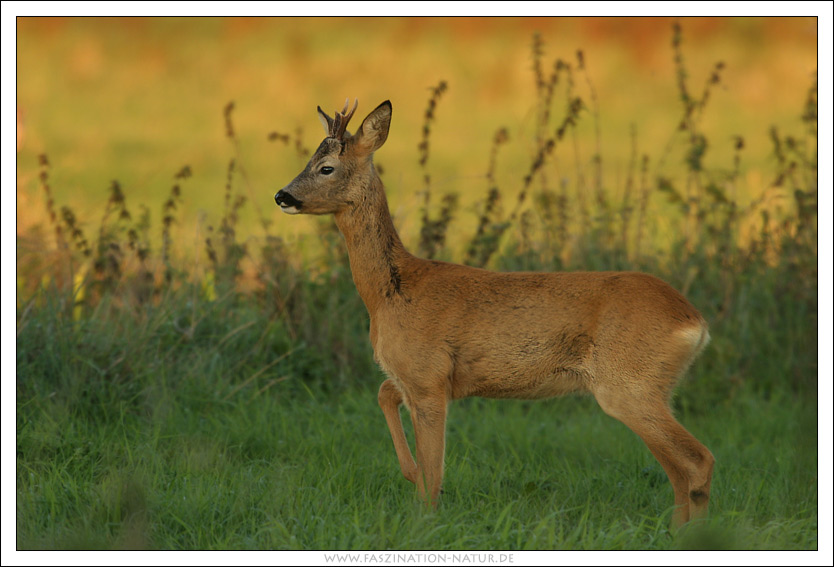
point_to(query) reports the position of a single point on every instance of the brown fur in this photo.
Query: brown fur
(444, 331)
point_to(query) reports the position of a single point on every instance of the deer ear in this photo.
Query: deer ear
(374, 130)
(326, 121)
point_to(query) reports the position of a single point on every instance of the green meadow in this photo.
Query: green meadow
(193, 367)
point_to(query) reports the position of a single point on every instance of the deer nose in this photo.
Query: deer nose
(286, 201)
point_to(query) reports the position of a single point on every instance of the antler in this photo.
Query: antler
(340, 121)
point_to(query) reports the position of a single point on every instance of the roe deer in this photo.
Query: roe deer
(443, 331)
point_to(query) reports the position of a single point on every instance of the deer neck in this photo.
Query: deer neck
(376, 252)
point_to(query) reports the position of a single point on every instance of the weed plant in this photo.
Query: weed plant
(229, 402)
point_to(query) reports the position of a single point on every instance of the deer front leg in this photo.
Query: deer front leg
(429, 419)
(390, 399)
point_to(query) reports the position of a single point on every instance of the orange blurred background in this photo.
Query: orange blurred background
(135, 99)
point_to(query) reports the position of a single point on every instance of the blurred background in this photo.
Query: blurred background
(136, 99)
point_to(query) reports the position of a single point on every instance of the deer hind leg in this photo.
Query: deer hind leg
(390, 399)
(687, 462)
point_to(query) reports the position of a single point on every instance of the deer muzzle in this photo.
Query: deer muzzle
(287, 202)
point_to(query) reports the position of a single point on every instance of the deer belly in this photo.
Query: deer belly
(525, 369)
(531, 385)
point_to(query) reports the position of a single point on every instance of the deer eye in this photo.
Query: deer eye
(326, 170)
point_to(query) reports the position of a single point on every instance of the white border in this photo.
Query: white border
(8, 252)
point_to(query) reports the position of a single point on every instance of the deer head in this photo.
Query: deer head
(340, 171)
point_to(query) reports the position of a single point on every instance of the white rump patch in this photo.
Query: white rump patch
(698, 336)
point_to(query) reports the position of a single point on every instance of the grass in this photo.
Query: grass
(180, 464)
(193, 430)
(219, 392)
